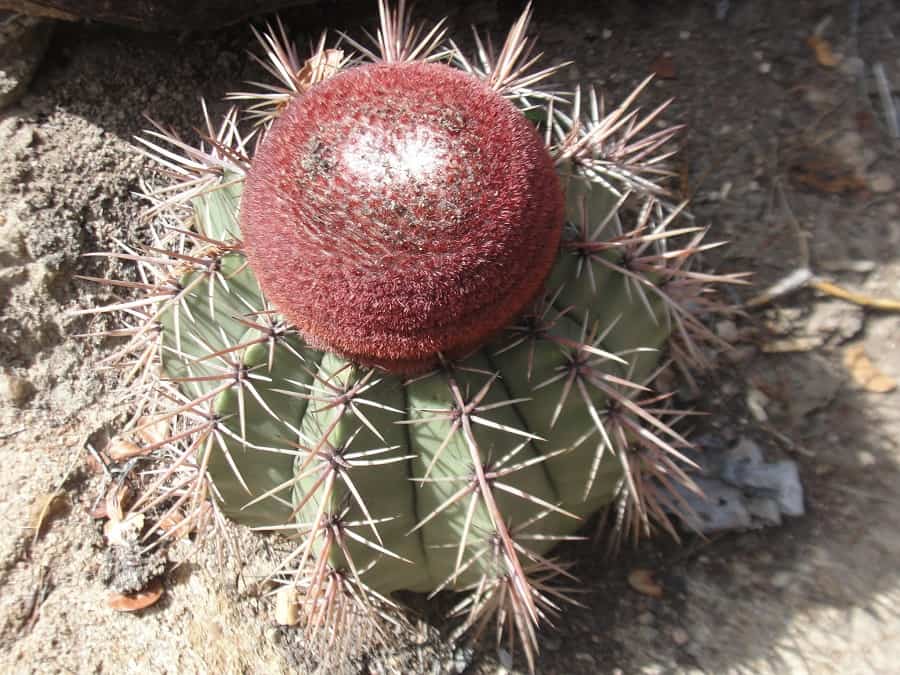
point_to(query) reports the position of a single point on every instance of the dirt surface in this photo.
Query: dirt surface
(787, 155)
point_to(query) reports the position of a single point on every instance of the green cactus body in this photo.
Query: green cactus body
(289, 409)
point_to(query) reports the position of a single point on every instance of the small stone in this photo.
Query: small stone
(648, 633)
(680, 636)
(882, 182)
(727, 330)
(852, 66)
(584, 657)
(740, 354)
(646, 618)
(606, 34)
(756, 403)
(866, 458)
(462, 659)
(765, 68)
(684, 35)
(551, 643)
(781, 579)
(17, 390)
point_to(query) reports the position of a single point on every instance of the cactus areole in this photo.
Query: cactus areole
(400, 211)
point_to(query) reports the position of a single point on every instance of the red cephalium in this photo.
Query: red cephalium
(397, 211)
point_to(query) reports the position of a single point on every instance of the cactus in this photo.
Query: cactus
(413, 320)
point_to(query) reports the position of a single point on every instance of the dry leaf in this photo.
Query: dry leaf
(287, 609)
(864, 372)
(45, 508)
(643, 582)
(119, 449)
(134, 602)
(320, 67)
(822, 49)
(153, 432)
(824, 173)
(172, 523)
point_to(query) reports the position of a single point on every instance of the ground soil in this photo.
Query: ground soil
(783, 153)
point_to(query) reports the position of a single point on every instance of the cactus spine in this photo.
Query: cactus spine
(457, 466)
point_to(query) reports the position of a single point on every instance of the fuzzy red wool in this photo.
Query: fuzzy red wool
(398, 211)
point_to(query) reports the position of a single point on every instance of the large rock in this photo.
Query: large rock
(151, 15)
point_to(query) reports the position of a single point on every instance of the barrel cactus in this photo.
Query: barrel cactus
(409, 309)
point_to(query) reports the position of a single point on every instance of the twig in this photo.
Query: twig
(887, 100)
(832, 289)
(9, 434)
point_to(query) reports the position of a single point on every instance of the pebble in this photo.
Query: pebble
(765, 68)
(680, 636)
(17, 390)
(585, 657)
(866, 458)
(551, 643)
(727, 330)
(882, 183)
(684, 35)
(756, 403)
(781, 579)
(606, 34)
(646, 618)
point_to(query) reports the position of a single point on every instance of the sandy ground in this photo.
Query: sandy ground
(784, 153)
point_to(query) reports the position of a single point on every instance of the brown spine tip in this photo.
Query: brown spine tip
(398, 211)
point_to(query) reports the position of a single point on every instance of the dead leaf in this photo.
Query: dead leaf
(153, 432)
(119, 449)
(822, 172)
(864, 372)
(45, 508)
(320, 67)
(822, 49)
(643, 582)
(134, 602)
(664, 67)
(173, 523)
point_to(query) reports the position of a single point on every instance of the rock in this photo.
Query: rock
(462, 659)
(23, 41)
(721, 509)
(743, 456)
(882, 182)
(727, 330)
(765, 510)
(680, 636)
(16, 390)
(783, 480)
(781, 579)
(834, 320)
(152, 15)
